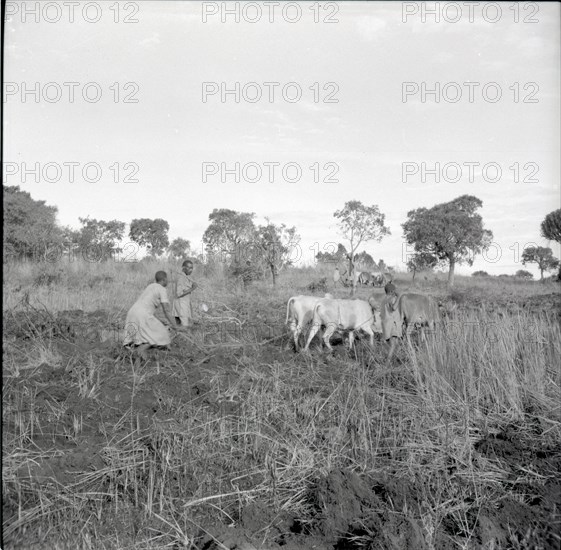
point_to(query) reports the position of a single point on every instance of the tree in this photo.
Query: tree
(420, 262)
(365, 260)
(150, 233)
(452, 232)
(274, 242)
(551, 230)
(480, 274)
(99, 238)
(523, 274)
(541, 255)
(333, 257)
(30, 226)
(551, 226)
(71, 240)
(358, 224)
(229, 232)
(179, 248)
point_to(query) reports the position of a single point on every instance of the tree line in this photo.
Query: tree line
(447, 234)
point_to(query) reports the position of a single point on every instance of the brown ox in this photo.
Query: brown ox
(412, 310)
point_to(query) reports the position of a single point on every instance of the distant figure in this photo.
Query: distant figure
(336, 276)
(182, 307)
(142, 329)
(391, 318)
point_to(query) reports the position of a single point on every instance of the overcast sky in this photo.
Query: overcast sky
(362, 141)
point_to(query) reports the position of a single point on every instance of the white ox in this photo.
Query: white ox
(299, 312)
(348, 315)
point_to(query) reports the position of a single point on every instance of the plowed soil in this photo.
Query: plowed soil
(344, 508)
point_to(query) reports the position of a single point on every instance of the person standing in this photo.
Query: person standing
(182, 307)
(336, 276)
(392, 322)
(142, 329)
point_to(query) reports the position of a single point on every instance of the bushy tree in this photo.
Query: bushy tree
(30, 226)
(480, 274)
(179, 248)
(452, 231)
(551, 226)
(229, 233)
(359, 224)
(541, 255)
(99, 238)
(523, 274)
(340, 255)
(551, 230)
(275, 243)
(365, 260)
(153, 234)
(421, 261)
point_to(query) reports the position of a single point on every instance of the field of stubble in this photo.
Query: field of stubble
(233, 441)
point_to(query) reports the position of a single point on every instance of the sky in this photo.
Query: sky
(340, 108)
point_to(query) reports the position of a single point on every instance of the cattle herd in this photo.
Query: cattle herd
(327, 315)
(364, 278)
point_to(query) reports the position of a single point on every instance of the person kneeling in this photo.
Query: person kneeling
(142, 329)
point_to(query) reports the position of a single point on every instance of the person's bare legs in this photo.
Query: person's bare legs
(393, 340)
(142, 349)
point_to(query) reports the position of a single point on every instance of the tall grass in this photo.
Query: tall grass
(265, 424)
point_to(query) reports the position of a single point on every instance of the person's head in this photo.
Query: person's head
(162, 278)
(187, 267)
(390, 288)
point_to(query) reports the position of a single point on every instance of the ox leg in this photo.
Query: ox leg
(370, 333)
(297, 332)
(409, 327)
(294, 330)
(329, 330)
(351, 339)
(313, 331)
(429, 331)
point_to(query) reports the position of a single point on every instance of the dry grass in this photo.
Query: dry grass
(265, 424)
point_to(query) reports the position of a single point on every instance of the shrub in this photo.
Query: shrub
(320, 285)
(523, 274)
(480, 274)
(48, 278)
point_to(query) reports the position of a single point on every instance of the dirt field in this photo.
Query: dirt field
(232, 440)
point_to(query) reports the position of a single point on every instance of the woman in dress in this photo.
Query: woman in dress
(182, 309)
(142, 329)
